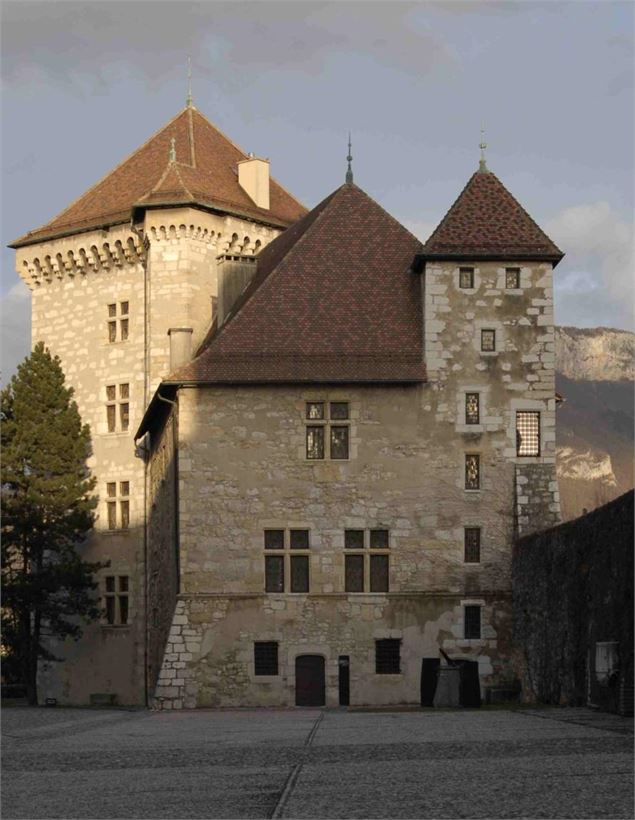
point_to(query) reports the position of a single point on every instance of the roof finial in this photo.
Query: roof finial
(483, 145)
(173, 149)
(349, 159)
(188, 101)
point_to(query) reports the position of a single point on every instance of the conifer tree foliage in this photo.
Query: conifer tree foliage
(47, 512)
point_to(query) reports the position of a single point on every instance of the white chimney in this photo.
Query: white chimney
(253, 178)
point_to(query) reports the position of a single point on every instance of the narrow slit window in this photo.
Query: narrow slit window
(488, 340)
(472, 408)
(466, 278)
(472, 545)
(512, 278)
(472, 622)
(472, 471)
(527, 433)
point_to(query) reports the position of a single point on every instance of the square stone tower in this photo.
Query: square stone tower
(124, 285)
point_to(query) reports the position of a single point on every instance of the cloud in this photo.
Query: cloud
(15, 321)
(594, 282)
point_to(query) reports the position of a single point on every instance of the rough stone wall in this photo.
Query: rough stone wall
(518, 375)
(162, 555)
(72, 281)
(573, 587)
(242, 469)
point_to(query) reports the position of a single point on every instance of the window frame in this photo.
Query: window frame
(117, 500)
(479, 472)
(468, 627)
(382, 647)
(287, 553)
(367, 552)
(323, 426)
(466, 271)
(491, 330)
(468, 547)
(468, 419)
(516, 273)
(260, 662)
(117, 405)
(118, 322)
(116, 599)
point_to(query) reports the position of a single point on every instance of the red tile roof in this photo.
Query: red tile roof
(486, 222)
(204, 174)
(333, 299)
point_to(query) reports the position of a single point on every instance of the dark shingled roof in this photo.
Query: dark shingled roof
(486, 222)
(333, 300)
(204, 174)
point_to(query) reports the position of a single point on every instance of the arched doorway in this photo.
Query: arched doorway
(310, 686)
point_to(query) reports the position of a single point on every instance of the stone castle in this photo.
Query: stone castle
(315, 437)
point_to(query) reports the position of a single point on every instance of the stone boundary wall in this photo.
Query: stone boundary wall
(572, 588)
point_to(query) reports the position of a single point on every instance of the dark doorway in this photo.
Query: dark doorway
(309, 680)
(429, 676)
(344, 667)
(470, 691)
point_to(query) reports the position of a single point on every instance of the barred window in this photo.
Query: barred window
(472, 622)
(472, 471)
(337, 434)
(472, 408)
(488, 340)
(512, 278)
(388, 656)
(266, 658)
(466, 277)
(116, 600)
(472, 544)
(527, 433)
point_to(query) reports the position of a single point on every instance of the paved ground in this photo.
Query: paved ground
(558, 763)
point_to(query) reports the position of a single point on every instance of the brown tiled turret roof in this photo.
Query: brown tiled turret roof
(334, 299)
(204, 174)
(486, 222)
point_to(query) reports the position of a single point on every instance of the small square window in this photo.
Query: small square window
(274, 539)
(266, 658)
(379, 540)
(315, 410)
(315, 442)
(299, 539)
(512, 278)
(527, 433)
(472, 545)
(466, 278)
(488, 340)
(339, 442)
(472, 408)
(472, 623)
(472, 471)
(354, 539)
(339, 410)
(387, 657)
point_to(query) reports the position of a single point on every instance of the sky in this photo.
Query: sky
(86, 83)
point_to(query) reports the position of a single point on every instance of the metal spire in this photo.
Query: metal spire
(188, 100)
(349, 159)
(482, 166)
(173, 149)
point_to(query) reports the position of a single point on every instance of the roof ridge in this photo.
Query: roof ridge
(108, 173)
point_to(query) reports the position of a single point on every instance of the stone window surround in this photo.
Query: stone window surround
(461, 622)
(525, 280)
(489, 324)
(383, 635)
(117, 499)
(117, 319)
(456, 279)
(368, 553)
(536, 405)
(118, 571)
(327, 396)
(276, 637)
(483, 391)
(287, 553)
(481, 471)
(117, 381)
(479, 527)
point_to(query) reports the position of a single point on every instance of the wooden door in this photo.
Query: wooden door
(310, 688)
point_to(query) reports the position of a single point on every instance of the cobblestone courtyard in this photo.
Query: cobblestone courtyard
(309, 763)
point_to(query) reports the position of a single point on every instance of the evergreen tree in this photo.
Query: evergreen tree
(47, 512)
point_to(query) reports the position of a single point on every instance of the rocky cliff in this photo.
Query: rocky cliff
(596, 376)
